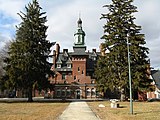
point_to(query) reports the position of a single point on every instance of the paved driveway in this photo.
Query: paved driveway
(78, 111)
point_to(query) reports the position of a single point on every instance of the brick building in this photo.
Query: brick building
(74, 70)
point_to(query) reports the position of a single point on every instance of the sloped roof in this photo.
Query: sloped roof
(69, 60)
(156, 77)
(59, 60)
(65, 58)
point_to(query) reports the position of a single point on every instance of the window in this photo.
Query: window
(88, 92)
(68, 65)
(74, 77)
(78, 69)
(79, 38)
(58, 65)
(63, 93)
(82, 72)
(68, 93)
(92, 81)
(63, 76)
(93, 92)
(94, 58)
(58, 92)
(97, 94)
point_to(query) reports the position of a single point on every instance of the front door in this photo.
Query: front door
(78, 94)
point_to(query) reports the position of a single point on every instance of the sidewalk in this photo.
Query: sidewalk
(78, 111)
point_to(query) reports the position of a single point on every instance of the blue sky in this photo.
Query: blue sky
(62, 16)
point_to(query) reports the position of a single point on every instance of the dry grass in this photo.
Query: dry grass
(31, 111)
(142, 111)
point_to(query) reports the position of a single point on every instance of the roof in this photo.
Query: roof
(65, 58)
(79, 50)
(156, 77)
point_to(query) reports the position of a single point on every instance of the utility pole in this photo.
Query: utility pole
(130, 82)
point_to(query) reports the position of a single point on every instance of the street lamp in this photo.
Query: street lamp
(130, 84)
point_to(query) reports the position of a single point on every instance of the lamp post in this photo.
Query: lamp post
(130, 84)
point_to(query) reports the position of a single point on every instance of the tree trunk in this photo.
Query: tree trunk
(123, 96)
(30, 94)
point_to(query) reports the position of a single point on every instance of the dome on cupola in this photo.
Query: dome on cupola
(79, 21)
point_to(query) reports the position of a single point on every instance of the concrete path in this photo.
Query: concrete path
(78, 111)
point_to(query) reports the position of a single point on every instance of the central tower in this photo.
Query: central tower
(79, 36)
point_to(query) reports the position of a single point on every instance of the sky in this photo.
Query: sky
(62, 16)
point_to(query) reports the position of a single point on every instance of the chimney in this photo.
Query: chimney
(54, 58)
(94, 50)
(57, 50)
(65, 50)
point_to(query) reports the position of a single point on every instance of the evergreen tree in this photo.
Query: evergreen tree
(3, 55)
(1, 67)
(27, 64)
(112, 68)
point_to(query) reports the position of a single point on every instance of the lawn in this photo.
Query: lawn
(31, 111)
(142, 111)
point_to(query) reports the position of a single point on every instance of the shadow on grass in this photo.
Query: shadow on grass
(25, 100)
(138, 113)
(122, 107)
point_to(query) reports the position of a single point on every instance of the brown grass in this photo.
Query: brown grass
(31, 111)
(142, 111)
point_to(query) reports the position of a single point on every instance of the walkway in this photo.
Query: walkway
(78, 111)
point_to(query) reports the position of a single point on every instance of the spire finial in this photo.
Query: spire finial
(79, 14)
(79, 20)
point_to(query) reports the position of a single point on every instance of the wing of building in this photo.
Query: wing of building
(155, 75)
(75, 70)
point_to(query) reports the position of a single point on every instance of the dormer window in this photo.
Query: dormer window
(63, 76)
(58, 65)
(68, 65)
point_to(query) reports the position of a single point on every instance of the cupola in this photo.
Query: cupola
(79, 34)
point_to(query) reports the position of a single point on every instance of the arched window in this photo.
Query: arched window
(58, 92)
(63, 93)
(88, 92)
(93, 93)
(68, 93)
(82, 72)
(78, 69)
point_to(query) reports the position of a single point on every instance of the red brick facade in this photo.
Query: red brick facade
(75, 79)
(74, 70)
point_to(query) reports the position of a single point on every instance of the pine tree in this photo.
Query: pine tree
(112, 68)
(1, 67)
(3, 56)
(27, 62)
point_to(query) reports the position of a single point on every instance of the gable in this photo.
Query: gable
(156, 77)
